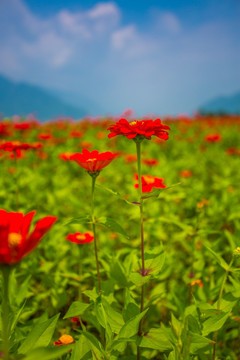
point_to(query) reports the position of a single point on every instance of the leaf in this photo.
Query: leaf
(198, 342)
(40, 335)
(81, 349)
(219, 259)
(214, 323)
(77, 308)
(115, 318)
(117, 273)
(95, 345)
(103, 320)
(48, 353)
(155, 339)
(130, 328)
(154, 260)
(112, 225)
(156, 193)
(137, 279)
(115, 193)
(78, 220)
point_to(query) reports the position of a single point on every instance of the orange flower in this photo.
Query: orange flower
(185, 173)
(197, 282)
(64, 340)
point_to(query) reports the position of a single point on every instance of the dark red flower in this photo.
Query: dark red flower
(93, 161)
(150, 162)
(149, 182)
(80, 238)
(65, 156)
(144, 128)
(15, 239)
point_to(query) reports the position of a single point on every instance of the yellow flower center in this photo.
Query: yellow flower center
(80, 237)
(14, 239)
(149, 179)
(132, 123)
(91, 160)
(66, 339)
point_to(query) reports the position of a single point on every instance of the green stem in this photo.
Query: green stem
(16, 181)
(138, 148)
(5, 311)
(94, 176)
(219, 305)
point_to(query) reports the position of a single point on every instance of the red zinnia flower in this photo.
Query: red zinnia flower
(149, 182)
(93, 161)
(150, 162)
(144, 128)
(15, 240)
(185, 173)
(80, 238)
(66, 156)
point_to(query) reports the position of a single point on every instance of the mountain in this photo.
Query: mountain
(23, 99)
(223, 104)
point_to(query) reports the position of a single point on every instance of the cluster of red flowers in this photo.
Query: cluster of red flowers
(212, 138)
(16, 241)
(144, 128)
(18, 145)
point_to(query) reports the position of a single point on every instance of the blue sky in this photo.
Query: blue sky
(161, 57)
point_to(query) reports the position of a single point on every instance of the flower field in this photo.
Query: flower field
(120, 240)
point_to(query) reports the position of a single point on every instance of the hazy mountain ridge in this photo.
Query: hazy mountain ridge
(23, 99)
(225, 104)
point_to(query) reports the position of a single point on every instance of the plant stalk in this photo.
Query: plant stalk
(219, 306)
(94, 176)
(5, 312)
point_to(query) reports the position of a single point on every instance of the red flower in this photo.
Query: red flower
(66, 156)
(15, 240)
(93, 161)
(185, 173)
(145, 128)
(149, 182)
(150, 162)
(14, 145)
(213, 138)
(80, 238)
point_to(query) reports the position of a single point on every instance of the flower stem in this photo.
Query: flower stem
(138, 148)
(5, 311)
(16, 181)
(94, 176)
(219, 305)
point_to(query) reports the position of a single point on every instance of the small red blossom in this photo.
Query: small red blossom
(80, 238)
(15, 239)
(65, 156)
(149, 182)
(44, 136)
(15, 145)
(233, 151)
(212, 138)
(76, 134)
(93, 161)
(185, 173)
(197, 282)
(86, 144)
(144, 128)
(150, 162)
(130, 158)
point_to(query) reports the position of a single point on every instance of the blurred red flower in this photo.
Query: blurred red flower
(15, 240)
(150, 162)
(213, 138)
(149, 182)
(145, 128)
(65, 156)
(93, 161)
(185, 173)
(80, 238)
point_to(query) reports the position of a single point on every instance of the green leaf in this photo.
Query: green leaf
(48, 353)
(155, 339)
(115, 193)
(115, 318)
(130, 328)
(77, 308)
(40, 335)
(137, 279)
(214, 323)
(96, 347)
(117, 273)
(112, 225)
(78, 220)
(198, 342)
(219, 259)
(103, 320)
(82, 349)
(156, 193)
(154, 260)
